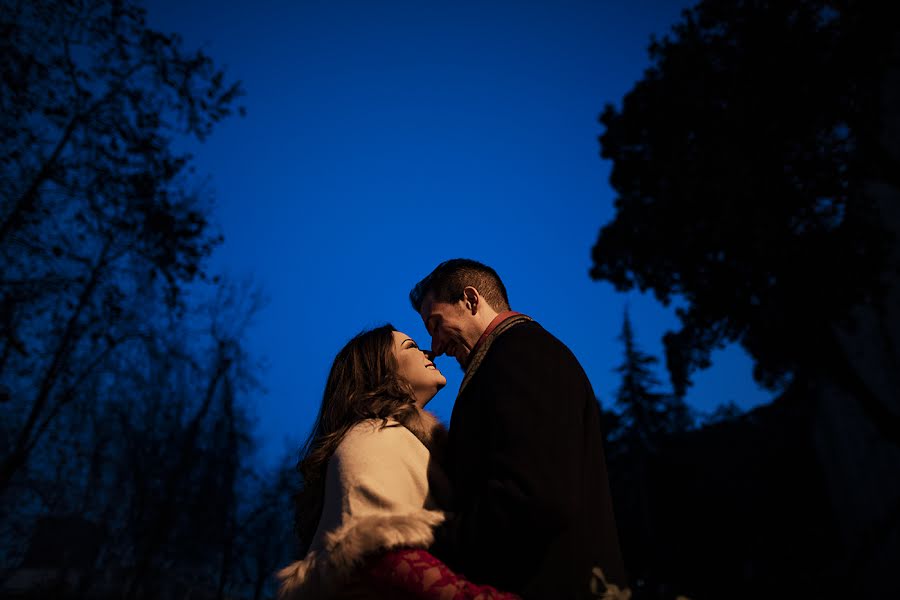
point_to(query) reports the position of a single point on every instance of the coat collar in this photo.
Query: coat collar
(503, 322)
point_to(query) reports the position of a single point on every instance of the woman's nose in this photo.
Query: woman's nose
(430, 354)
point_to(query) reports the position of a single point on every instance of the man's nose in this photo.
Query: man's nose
(431, 354)
(437, 346)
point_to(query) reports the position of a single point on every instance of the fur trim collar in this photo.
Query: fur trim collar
(321, 574)
(430, 431)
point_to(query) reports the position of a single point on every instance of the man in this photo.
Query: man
(532, 511)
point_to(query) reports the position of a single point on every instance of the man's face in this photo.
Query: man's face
(453, 328)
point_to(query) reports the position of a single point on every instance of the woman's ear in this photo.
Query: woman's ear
(471, 298)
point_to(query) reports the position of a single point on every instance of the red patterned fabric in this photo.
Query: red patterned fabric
(420, 575)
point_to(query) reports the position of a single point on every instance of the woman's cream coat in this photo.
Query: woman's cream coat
(382, 491)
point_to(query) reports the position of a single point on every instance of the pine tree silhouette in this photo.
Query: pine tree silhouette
(646, 412)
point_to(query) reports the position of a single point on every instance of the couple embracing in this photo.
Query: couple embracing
(512, 502)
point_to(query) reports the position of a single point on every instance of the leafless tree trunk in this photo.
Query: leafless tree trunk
(29, 434)
(167, 513)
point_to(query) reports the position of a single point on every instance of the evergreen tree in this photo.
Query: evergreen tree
(647, 412)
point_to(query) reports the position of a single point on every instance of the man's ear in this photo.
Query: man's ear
(471, 298)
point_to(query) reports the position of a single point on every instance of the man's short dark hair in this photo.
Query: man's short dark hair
(448, 280)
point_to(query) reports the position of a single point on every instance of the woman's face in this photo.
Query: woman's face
(417, 369)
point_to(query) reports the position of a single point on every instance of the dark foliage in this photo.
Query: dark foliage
(646, 413)
(125, 442)
(96, 207)
(736, 509)
(740, 160)
(757, 180)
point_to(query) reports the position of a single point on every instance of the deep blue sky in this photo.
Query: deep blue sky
(383, 137)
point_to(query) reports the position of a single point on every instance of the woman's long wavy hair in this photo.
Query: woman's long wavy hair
(363, 383)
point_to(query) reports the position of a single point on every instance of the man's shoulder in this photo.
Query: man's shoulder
(528, 337)
(530, 351)
(526, 330)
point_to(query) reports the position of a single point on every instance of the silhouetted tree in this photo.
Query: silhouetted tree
(116, 404)
(646, 412)
(642, 408)
(723, 413)
(160, 464)
(96, 207)
(647, 417)
(739, 161)
(191, 506)
(267, 540)
(757, 172)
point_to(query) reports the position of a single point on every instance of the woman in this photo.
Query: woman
(372, 484)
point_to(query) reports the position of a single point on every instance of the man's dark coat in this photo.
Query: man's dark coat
(532, 509)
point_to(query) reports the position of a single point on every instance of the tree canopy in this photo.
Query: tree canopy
(125, 444)
(98, 214)
(739, 162)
